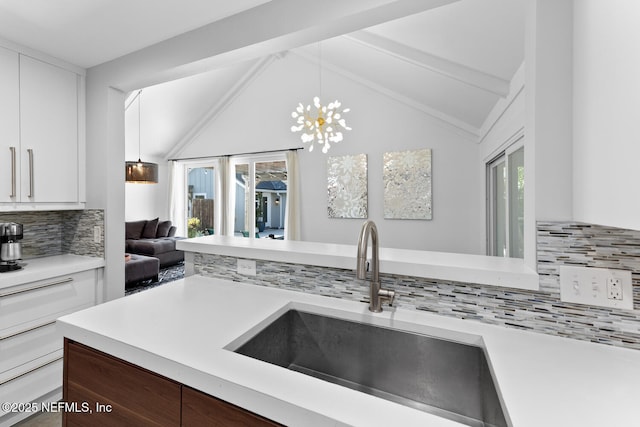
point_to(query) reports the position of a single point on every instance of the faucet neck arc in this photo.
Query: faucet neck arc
(369, 229)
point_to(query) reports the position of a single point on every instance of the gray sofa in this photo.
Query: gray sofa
(153, 238)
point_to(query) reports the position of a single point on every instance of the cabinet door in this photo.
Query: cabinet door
(199, 409)
(116, 393)
(49, 132)
(9, 126)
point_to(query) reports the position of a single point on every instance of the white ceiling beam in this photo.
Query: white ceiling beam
(459, 126)
(472, 77)
(275, 26)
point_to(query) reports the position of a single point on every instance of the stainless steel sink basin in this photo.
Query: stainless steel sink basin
(442, 377)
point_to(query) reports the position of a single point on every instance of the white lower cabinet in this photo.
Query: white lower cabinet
(30, 346)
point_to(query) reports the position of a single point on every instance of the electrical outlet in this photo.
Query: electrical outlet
(614, 288)
(97, 234)
(596, 286)
(247, 267)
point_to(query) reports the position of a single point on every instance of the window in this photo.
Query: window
(505, 203)
(260, 196)
(200, 200)
(200, 182)
(238, 195)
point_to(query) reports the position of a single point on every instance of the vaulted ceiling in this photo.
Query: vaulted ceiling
(453, 62)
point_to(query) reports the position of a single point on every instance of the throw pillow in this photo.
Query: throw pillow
(163, 229)
(150, 229)
(133, 229)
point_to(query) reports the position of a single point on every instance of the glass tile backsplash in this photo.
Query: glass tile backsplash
(537, 311)
(48, 233)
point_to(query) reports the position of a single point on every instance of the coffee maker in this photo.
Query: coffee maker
(10, 247)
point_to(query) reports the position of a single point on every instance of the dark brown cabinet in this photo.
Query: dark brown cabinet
(200, 409)
(105, 391)
(101, 390)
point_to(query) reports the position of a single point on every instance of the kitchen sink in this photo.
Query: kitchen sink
(446, 378)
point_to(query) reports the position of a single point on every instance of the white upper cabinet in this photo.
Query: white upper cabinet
(41, 145)
(48, 132)
(9, 126)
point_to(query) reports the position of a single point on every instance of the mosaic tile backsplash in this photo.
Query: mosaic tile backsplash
(48, 233)
(537, 311)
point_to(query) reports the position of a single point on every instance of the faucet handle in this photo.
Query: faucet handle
(387, 295)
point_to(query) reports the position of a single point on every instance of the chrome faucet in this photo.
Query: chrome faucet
(377, 295)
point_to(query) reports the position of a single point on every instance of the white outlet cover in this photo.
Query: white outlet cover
(588, 285)
(247, 267)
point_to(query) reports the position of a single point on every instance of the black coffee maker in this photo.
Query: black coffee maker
(10, 246)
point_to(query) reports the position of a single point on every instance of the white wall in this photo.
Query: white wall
(143, 201)
(380, 124)
(606, 112)
(548, 81)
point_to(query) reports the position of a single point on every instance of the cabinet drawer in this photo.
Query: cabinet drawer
(21, 348)
(199, 409)
(137, 396)
(39, 302)
(33, 385)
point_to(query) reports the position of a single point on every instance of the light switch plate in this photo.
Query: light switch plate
(247, 267)
(591, 286)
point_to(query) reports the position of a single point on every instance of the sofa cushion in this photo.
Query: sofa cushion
(163, 229)
(151, 246)
(133, 229)
(150, 229)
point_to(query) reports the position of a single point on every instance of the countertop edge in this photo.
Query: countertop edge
(494, 271)
(43, 268)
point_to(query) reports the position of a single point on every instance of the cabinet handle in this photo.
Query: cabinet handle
(33, 288)
(13, 171)
(15, 377)
(30, 152)
(26, 330)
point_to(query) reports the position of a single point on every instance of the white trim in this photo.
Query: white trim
(500, 155)
(225, 101)
(501, 107)
(454, 70)
(462, 128)
(516, 139)
(36, 54)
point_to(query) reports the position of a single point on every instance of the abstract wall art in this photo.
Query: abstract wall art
(407, 184)
(347, 186)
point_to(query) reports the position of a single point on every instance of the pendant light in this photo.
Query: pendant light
(324, 123)
(141, 172)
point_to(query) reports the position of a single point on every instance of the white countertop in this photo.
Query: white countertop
(48, 267)
(180, 329)
(495, 271)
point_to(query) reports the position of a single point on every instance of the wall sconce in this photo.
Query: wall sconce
(277, 202)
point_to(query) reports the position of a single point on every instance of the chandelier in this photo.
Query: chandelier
(323, 125)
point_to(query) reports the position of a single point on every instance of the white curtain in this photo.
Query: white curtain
(231, 197)
(292, 216)
(177, 197)
(223, 194)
